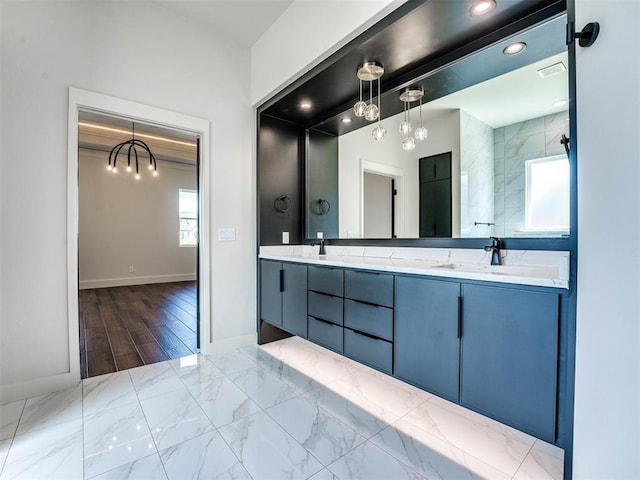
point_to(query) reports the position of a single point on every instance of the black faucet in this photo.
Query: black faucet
(321, 252)
(494, 248)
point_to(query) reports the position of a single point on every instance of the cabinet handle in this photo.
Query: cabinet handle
(459, 317)
(282, 280)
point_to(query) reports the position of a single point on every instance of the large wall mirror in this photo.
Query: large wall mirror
(493, 162)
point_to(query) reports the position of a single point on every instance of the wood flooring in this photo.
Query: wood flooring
(126, 327)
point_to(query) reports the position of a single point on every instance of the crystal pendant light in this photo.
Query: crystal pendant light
(371, 112)
(421, 132)
(368, 72)
(408, 143)
(405, 125)
(379, 131)
(359, 107)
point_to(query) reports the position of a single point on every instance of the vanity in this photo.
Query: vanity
(406, 285)
(486, 337)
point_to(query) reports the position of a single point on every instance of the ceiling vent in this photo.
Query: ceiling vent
(552, 70)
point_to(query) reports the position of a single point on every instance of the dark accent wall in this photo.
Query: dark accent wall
(280, 173)
(322, 167)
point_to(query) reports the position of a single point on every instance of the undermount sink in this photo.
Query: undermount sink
(492, 269)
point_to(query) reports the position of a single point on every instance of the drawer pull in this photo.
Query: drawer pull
(368, 335)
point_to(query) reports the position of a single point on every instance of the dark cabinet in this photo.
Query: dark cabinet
(427, 343)
(435, 215)
(283, 296)
(509, 356)
(326, 307)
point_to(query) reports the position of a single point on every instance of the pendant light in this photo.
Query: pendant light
(379, 131)
(133, 144)
(407, 96)
(369, 72)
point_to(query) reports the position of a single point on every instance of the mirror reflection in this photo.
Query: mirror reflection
(492, 164)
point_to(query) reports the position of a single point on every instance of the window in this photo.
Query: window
(188, 208)
(547, 200)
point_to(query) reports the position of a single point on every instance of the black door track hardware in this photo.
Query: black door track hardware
(586, 37)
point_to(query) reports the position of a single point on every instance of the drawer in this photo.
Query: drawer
(325, 334)
(372, 351)
(326, 280)
(325, 307)
(372, 319)
(376, 288)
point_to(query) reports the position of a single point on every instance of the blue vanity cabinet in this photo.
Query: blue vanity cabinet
(509, 356)
(283, 296)
(427, 343)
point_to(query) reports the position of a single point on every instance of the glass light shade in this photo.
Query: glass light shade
(405, 127)
(137, 176)
(408, 143)
(371, 112)
(155, 173)
(421, 133)
(359, 108)
(109, 167)
(379, 132)
(128, 168)
(150, 167)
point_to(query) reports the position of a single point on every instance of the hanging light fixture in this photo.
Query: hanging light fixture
(407, 96)
(133, 144)
(379, 131)
(369, 72)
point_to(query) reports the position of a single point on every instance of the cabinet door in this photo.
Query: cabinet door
(270, 296)
(426, 342)
(510, 356)
(294, 299)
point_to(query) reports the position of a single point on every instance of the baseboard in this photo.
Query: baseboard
(126, 281)
(37, 387)
(228, 344)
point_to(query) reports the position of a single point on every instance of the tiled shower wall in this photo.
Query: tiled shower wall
(476, 176)
(513, 145)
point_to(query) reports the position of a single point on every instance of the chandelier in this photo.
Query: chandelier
(407, 97)
(370, 72)
(132, 154)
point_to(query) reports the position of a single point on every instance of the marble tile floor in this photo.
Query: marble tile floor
(286, 410)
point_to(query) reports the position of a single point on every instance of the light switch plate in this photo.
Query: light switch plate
(319, 235)
(226, 234)
(285, 238)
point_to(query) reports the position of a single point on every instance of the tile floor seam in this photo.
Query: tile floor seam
(334, 418)
(523, 460)
(234, 453)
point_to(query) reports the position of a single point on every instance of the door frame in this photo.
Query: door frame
(85, 100)
(367, 166)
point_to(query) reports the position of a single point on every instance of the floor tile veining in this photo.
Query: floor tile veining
(286, 410)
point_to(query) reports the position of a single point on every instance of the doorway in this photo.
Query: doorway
(135, 304)
(379, 192)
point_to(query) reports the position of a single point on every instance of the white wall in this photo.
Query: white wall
(163, 61)
(304, 35)
(607, 401)
(444, 136)
(127, 222)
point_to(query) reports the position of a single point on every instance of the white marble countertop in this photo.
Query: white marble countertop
(543, 269)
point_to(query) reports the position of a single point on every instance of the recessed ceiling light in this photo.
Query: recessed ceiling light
(560, 103)
(482, 7)
(514, 48)
(305, 106)
(345, 120)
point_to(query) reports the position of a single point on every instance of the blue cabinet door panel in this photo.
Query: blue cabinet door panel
(294, 299)
(270, 295)
(510, 356)
(326, 334)
(426, 343)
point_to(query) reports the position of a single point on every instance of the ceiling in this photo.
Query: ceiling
(435, 44)
(98, 131)
(513, 97)
(244, 21)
